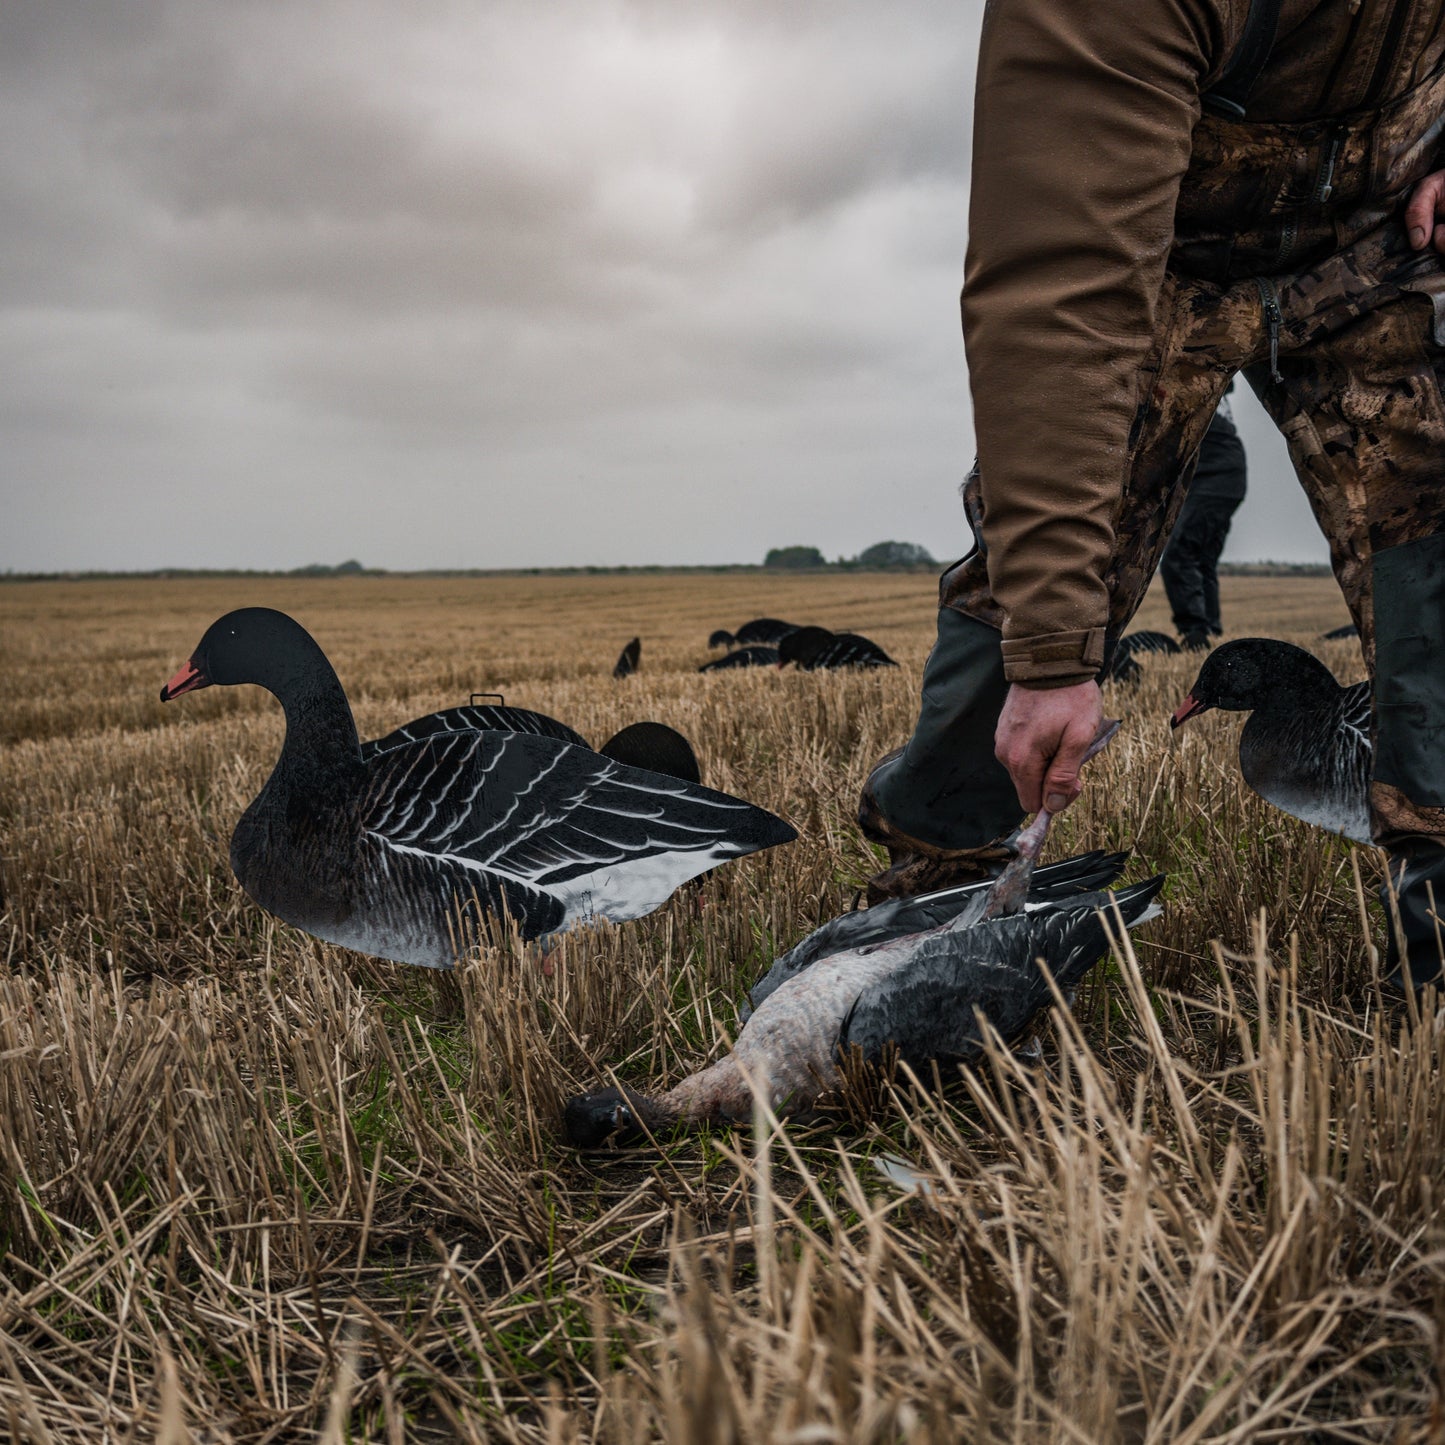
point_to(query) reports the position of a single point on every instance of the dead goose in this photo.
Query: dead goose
(921, 994)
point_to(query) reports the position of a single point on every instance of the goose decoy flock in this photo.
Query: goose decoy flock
(1306, 747)
(896, 980)
(627, 662)
(814, 649)
(769, 641)
(408, 852)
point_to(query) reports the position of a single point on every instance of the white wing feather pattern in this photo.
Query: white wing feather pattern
(595, 836)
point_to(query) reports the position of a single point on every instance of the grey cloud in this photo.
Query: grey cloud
(450, 283)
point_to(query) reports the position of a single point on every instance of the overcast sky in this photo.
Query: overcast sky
(489, 284)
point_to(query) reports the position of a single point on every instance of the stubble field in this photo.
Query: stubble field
(254, 1187)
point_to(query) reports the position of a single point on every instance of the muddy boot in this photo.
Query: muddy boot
(915, 866)
(1414, 903)
(943, 805)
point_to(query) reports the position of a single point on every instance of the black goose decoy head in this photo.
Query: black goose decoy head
(251, 645)
(1252, 674)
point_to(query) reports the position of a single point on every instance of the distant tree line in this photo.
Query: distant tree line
(350, 568)
(879, 555)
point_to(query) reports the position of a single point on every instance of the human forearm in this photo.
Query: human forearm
(1082, 133)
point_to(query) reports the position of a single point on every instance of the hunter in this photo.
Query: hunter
(1165, 193)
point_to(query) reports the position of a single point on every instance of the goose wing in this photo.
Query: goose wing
(901, 916)
(475, 718)
(1315, 762)
(929, 1008)
(1135, 643)
(603, 839)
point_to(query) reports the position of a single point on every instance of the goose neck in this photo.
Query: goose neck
(319, 725)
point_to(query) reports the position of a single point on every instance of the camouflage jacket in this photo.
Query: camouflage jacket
(1094, 171)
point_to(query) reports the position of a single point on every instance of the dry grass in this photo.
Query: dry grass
(256, 1188)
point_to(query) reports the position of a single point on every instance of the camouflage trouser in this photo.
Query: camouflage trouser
(1347, 353)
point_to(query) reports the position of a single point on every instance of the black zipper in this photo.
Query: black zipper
(1269, 303)
(1325, 176)
(1388, 50)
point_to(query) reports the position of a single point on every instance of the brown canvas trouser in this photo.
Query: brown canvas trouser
(1291, 265)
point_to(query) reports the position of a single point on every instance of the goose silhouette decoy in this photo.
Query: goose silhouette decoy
(814, 649)
(627, 661)
(767, 631)
(743, 657)
(1306, 747)
(408, 853)
(655, 747)
(920, 993)
(720, 637)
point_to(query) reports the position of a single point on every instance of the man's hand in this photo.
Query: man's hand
(1043, 734)
(1422, 215)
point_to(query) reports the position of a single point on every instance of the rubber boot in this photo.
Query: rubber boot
(943, 805)
(1414, 903)
(1409, 604)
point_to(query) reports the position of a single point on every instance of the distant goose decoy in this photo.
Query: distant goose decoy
(743, 657)
(407, 852)
(856, 982)
(1145, 641)
(815, 649)
(769, 631)
(627, 662)
(1306, 747)
(1338, 634)
(720, 638)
